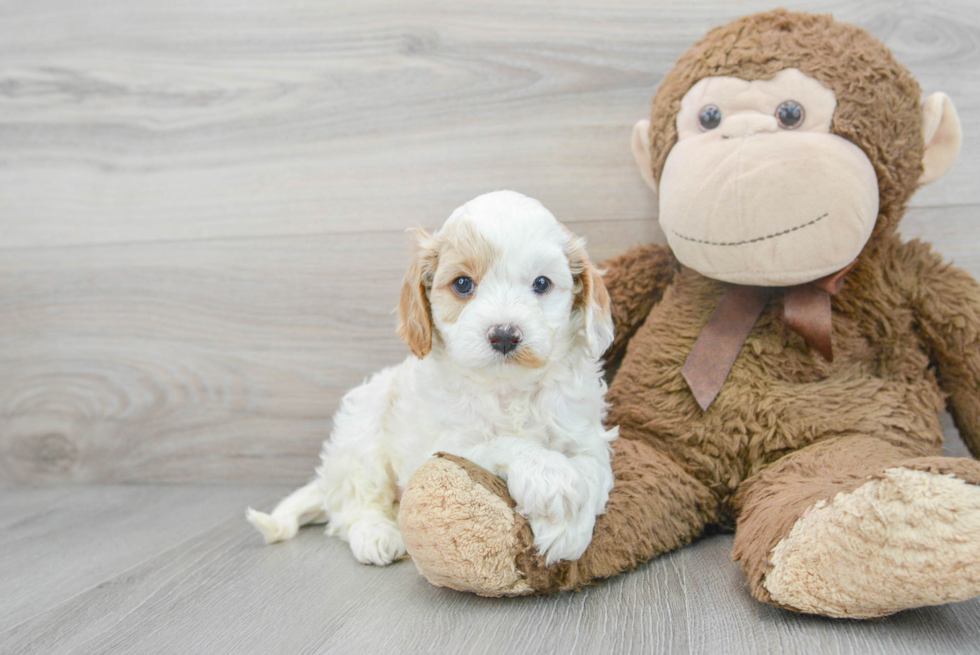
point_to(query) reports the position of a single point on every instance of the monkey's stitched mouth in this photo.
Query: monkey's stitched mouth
(755, 240)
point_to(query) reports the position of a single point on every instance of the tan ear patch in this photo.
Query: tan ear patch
(414, 313)
(591, 296)
(593, 289)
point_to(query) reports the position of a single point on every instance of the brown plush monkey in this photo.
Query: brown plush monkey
(782, 367)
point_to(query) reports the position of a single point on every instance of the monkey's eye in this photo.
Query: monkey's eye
(790, 115)
(541, 286)
(463, 286)
(709, 118)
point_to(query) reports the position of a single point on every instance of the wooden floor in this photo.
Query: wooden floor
(202, 215)
(176, 569)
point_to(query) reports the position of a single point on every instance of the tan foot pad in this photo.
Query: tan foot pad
(459, 533)
(906, 539)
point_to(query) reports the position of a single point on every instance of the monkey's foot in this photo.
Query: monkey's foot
(906, 538)
(461, 530)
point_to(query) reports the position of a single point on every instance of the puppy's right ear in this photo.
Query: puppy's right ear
(414, 312)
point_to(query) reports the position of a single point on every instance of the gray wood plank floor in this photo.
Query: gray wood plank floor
(58, 542)
(203, 205)
(164, 569)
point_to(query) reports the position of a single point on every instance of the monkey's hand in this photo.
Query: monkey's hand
(946, 301)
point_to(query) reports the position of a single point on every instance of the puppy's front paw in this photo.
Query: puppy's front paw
(376, 541)
(562, 540)
(555, 499)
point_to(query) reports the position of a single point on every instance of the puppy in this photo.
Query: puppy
(506, 319)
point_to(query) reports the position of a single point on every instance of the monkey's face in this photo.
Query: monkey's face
(807, 142)
(757, 190)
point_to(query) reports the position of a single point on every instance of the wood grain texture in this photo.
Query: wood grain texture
(202, 205)
(225, 592)
(199, 360)
(221, 590)
(218, 359)
(144, 121)
(59, 542)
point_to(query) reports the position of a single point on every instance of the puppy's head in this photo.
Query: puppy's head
(503, 285)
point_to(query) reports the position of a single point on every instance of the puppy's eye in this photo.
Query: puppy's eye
(709, 118)
(541, 286)
(463, 286)
(790, 115)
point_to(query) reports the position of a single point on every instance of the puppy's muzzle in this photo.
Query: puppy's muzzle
(504, 338)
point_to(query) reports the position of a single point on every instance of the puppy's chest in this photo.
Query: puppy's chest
(500, 414)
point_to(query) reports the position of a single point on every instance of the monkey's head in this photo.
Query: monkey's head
(783, 142)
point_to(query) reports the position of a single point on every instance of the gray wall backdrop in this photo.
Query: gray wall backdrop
(203, 204)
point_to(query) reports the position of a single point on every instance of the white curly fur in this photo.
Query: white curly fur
(532, 416)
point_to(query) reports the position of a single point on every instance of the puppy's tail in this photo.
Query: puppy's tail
(305, 505)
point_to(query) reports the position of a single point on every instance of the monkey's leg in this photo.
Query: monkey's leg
(460, 527)
(856, 527)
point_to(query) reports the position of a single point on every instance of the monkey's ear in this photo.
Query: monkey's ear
(942, 135)
(641, 152)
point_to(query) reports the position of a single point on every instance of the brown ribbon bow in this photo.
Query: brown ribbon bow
(806, 310)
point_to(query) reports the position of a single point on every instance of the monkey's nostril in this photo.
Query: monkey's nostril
(504, 338)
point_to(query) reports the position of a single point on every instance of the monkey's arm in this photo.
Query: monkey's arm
(636, 281)
(946, 301)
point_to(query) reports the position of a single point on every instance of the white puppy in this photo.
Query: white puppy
(507, 320)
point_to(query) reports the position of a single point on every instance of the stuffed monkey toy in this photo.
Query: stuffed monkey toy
(782, 367)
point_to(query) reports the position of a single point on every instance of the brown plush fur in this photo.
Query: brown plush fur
(770, 502)
(640, 277)
(633, 529)
(788, 429)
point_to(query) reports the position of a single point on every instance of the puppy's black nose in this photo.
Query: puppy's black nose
(504, 338)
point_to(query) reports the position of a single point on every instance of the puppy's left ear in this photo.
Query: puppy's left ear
(591, 298)
(414, 312)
